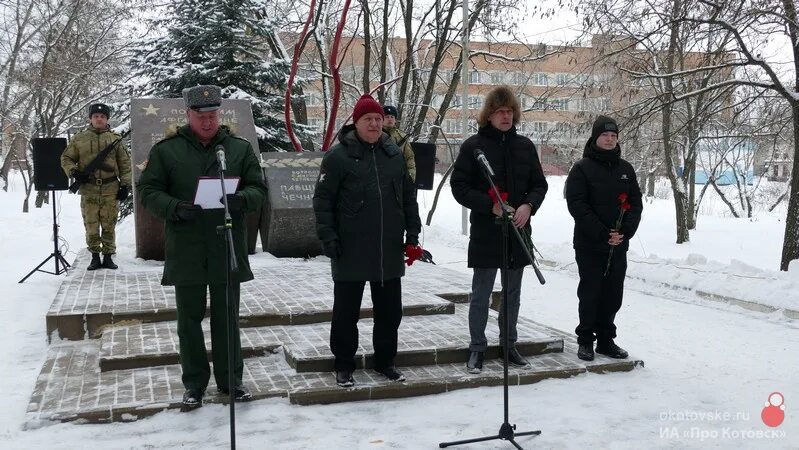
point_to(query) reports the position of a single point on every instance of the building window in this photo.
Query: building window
(540, 127)
(560, 104)
(313, 99)
(452, 126)
(539, 79)
(315, 124)
(539, 104)
(475, 101)
(562, 79)
(474, 77)
(497, 77)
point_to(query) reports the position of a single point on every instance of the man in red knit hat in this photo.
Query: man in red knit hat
(367, 218)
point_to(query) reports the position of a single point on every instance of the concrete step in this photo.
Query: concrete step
(301, 293)
(156, 344)
(70, 387)
(422, 341)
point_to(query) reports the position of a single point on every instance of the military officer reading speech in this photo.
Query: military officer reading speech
(195, 255)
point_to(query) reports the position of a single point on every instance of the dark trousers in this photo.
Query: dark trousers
(387, 304)
(191, 303)
(600, 295)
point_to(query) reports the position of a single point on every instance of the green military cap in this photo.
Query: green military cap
(203, 98)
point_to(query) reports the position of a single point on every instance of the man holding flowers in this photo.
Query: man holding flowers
(604, 199)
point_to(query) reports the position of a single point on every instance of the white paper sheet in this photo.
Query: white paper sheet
(209, 191)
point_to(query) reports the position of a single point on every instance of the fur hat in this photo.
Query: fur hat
(100, 108)
(390, 110)
(601, 125)
(499, 97)
(365, 105)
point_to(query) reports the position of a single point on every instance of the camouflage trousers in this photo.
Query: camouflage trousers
(99, 209)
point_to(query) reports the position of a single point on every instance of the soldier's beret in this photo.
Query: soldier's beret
(100, 108)
(203, 98)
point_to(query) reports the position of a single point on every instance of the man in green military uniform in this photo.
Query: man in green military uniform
(195, 254)
(100, 190)
(399, 138)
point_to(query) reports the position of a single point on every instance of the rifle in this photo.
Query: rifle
(97, 162)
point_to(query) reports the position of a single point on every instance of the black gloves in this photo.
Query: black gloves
(122, 193)
(235, 202)
(79, 176)
(187, 211)
(331, 249)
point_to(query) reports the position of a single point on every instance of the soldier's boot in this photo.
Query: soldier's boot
(95, 264)
(108, 263)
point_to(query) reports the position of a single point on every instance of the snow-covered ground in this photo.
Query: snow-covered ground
(710, 367)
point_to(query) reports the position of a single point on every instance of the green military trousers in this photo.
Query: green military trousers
(99, 208)
(191, 304)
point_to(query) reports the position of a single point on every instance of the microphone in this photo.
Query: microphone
(220, 156)
(483, 160)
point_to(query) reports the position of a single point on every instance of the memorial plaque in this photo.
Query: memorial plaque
(151, 120)
(290, 229)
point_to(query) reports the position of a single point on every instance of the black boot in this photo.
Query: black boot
(610, 349)
(514, 357)
(108, 263)
(192, 399)
(95, 264)
(344, 378)
(475, 364)
(391, 373)
(240, 392)
(586, 352)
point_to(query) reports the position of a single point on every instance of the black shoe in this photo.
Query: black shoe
(610, 349)
(95, 264)
(241, 393)
(514, 357)
(192, 399)
(108, 263)
(586, 352)
(344, 378)
(391, 373)
(475, 364)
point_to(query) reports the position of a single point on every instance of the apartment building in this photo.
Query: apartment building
(561, 90)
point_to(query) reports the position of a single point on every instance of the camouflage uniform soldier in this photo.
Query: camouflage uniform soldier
(399, 138)
(100, 190)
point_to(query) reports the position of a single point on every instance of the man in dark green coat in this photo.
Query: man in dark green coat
(195, 254)
(367, 218)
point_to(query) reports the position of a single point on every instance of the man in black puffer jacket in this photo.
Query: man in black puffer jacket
(595, 188)
(518, 173)
(367, 218)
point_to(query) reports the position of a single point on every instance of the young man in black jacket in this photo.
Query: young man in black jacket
(518, 173)
(599, 187)
(367, 218)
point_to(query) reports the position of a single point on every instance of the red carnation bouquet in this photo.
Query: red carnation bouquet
(624, 206)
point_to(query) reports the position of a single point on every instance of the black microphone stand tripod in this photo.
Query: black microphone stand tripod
(225, 231)
(507, 432)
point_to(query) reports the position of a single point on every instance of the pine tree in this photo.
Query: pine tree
(221, 42)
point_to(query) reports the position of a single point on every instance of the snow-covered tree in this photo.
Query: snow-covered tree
(220, 42)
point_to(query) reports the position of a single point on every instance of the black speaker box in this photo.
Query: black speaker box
(47, 172)
(425, 155)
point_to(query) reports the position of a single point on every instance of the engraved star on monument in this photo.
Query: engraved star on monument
(150, 110)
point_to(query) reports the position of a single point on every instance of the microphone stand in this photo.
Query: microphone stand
(507, 432)
(225, 231)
